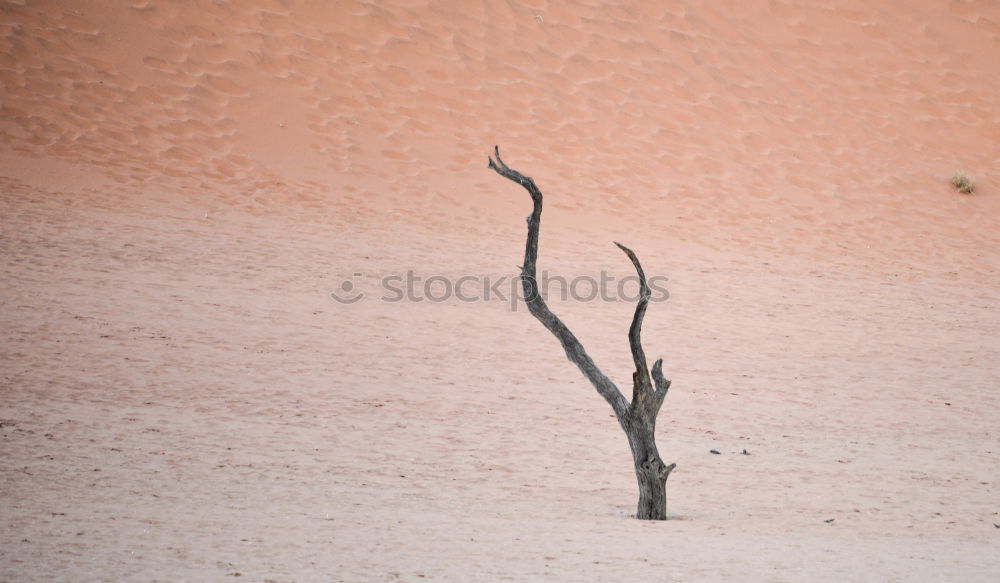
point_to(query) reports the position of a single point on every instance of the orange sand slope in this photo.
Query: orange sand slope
(184, 183)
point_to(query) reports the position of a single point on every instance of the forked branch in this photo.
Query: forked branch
(643, 393)
(638, 418)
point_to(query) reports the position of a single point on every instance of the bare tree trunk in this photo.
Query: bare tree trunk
(650, 471)
(638, 417)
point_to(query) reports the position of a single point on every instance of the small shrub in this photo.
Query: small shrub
(963, 182)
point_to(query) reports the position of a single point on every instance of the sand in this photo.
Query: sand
(183, 184)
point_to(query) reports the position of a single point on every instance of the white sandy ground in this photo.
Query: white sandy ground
(183, 184)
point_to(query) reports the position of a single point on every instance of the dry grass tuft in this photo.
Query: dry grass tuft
(963, 182)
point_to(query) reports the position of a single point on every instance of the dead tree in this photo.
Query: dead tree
(638, 417)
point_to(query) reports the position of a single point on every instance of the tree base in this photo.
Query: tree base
(650, 471)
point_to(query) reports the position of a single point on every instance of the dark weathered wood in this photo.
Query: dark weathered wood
(638, 418)
(537, 305)
(650, 471)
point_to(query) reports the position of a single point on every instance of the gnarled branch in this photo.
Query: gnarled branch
(537, 305)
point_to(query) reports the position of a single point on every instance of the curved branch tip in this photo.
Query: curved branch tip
(499, 162)
(644, 292)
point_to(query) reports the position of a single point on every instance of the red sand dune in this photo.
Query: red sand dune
(184, 183)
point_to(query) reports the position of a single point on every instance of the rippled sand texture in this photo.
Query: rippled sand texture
(183, 183)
